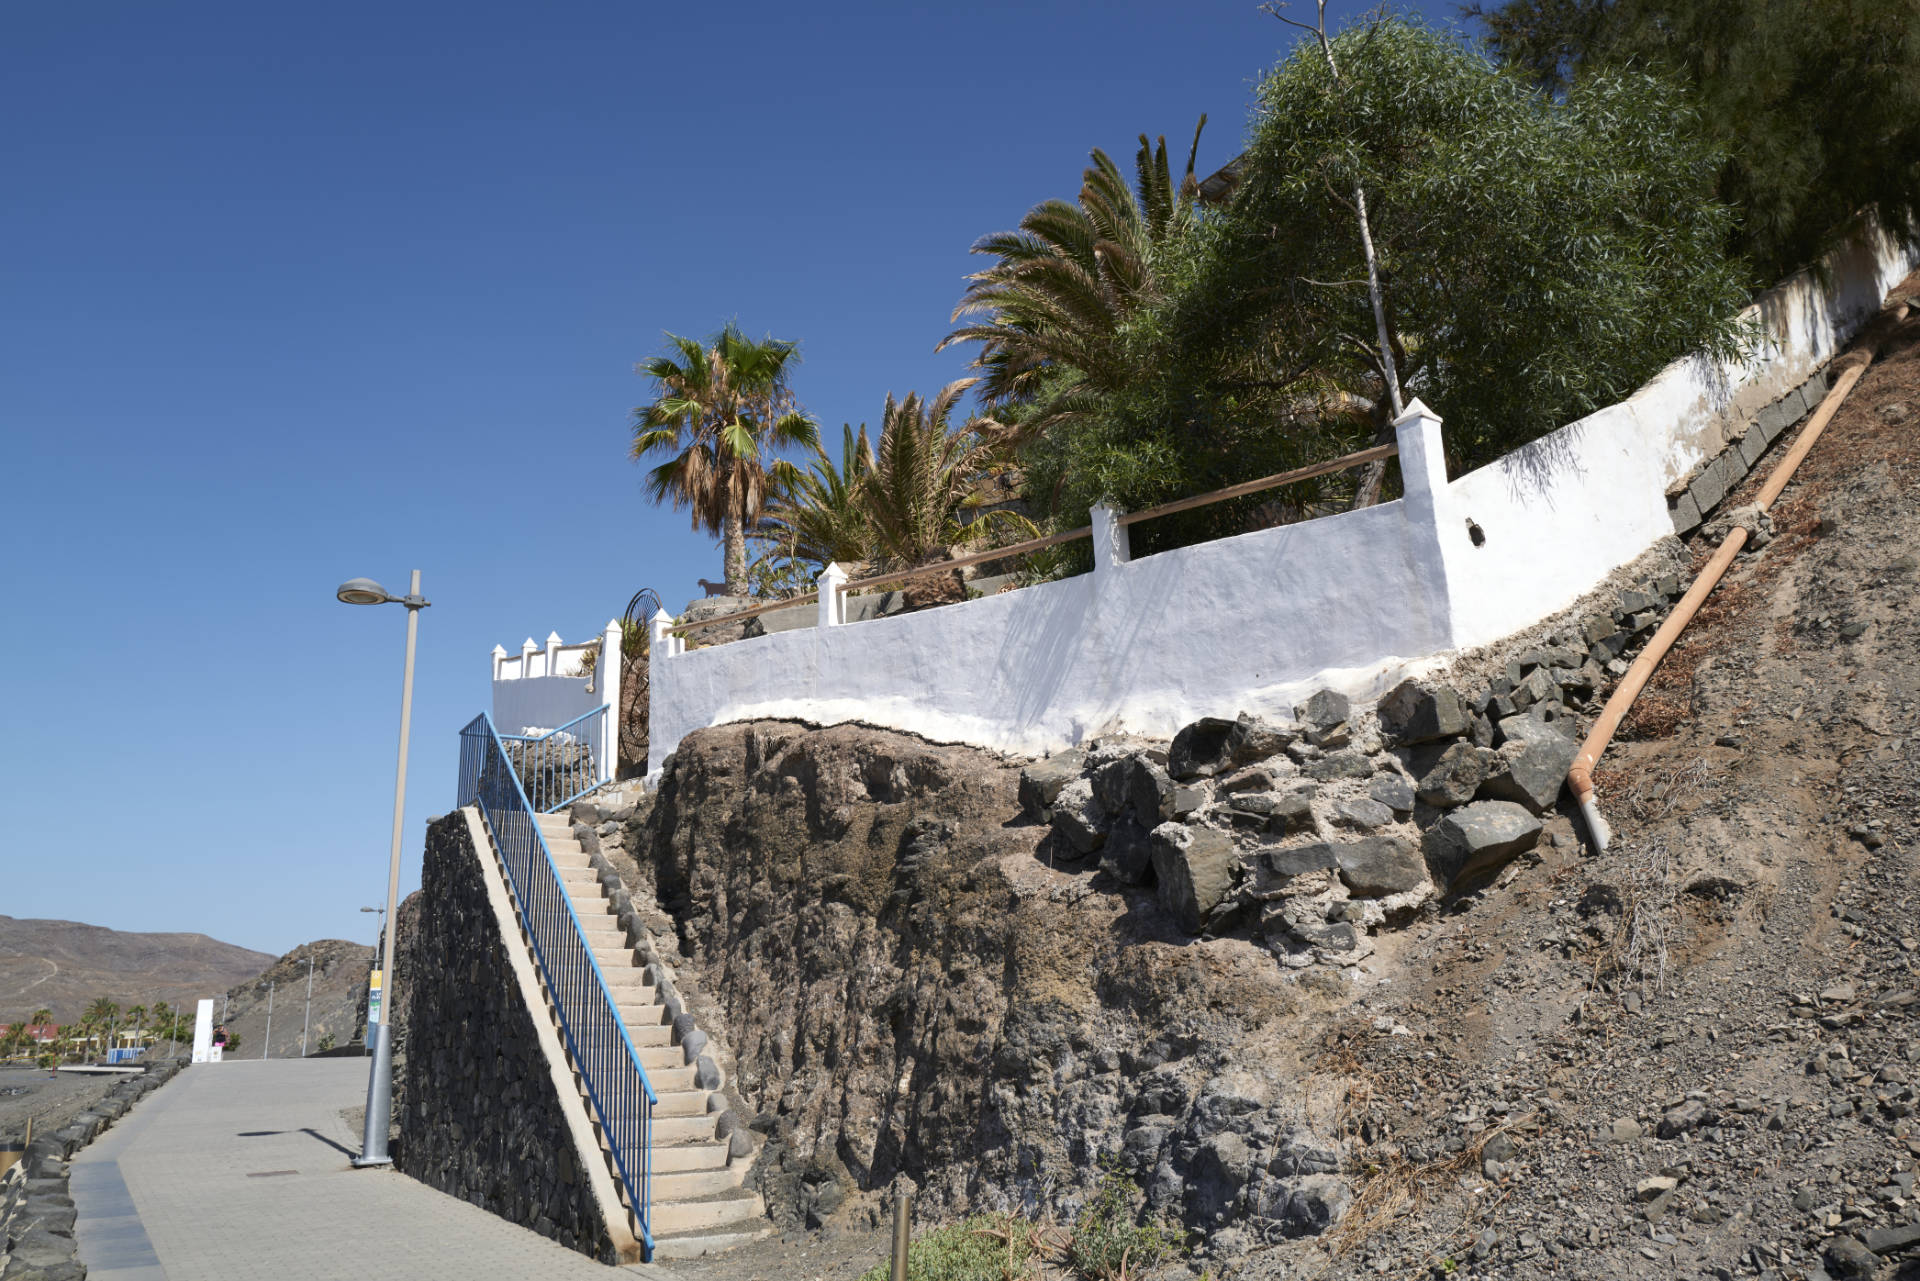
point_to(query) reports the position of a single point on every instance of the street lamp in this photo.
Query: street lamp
(373, 1142)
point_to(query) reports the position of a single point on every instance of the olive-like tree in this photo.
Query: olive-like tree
(1536, 258)
(722, 409)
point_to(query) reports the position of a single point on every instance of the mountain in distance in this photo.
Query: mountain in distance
(64, 965)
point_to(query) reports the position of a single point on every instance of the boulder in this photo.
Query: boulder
(1477, 838)
(1362, 812)
(1455, 777)
(1127, 855)
(1041, 782)
(1150, 791)
(1308, 1205)
(1201, 749)
(1392, 791)
(1324, 717)
(1253, 739)
(1194, 869)
(1078, 818)
(1413, 712)
(1380, 865)
(1530, 771)
(1219, 1172)
(1276, 868)
(1339, 765)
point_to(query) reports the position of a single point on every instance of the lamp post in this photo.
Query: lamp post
(373, 1142)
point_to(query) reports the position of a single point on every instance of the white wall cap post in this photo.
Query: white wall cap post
(1425, 504)
(553, 653)
(1110, 544)
(499, 657)
(833, 603)
(664, 643)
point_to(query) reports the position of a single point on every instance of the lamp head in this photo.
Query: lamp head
(363, 591)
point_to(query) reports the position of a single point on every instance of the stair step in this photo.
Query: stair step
(680, 1103)
(672, 1079)
(656, 1058)
(668, 1130)
(691, 1156)
(686, 1185)
(680, 1217)
(696, 1244)
(654, 1034)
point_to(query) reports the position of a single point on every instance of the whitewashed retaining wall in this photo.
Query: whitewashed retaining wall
(1253, 622)
(543, 687)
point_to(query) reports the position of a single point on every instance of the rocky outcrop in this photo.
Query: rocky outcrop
(915, 981)
(478, 1114)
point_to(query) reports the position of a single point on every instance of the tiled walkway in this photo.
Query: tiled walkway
(241, 1170)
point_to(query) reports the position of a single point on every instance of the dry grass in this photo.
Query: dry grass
(1638, 949)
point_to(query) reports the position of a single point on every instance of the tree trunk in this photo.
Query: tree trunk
(733, 538)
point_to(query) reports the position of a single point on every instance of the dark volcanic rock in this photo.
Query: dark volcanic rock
(1476, 838)
(1413, 712)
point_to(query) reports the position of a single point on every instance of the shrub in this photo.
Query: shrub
(986, 1247)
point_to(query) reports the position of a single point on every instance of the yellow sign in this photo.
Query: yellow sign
(373, 999)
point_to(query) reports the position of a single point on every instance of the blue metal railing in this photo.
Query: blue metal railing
(562, 765)
(596, 1036)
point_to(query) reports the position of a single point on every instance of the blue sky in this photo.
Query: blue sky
(292, 294)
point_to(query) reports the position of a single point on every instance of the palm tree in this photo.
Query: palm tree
(40, 1016)
(818, 516)
(721, 410)
(1052, 307)
(924, 473)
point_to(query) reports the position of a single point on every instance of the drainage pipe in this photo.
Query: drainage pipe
(1580, 776)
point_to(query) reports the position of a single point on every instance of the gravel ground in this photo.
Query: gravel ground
(51, 1101)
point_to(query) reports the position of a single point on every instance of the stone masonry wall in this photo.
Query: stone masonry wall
(480, 1118)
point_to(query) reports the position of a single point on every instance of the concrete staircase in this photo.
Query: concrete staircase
(699, 1205)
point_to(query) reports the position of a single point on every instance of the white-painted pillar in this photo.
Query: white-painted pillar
(1427, 509)
(499, 657)
(527, 651)
(553, 654)
(1110, 543)
(203, 1031)
(833, 601)
(664, 643)
(606, 675)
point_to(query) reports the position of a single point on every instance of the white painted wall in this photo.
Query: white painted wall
(1254, 622)
(1563, 512)
(1237, 624)
(544, 687)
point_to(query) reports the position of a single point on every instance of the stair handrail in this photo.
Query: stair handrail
(539, 754)
(596, 1036)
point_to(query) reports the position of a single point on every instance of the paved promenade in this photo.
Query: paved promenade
(240, 1170)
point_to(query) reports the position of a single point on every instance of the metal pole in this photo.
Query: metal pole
(373, 1142)
(306, 1020)
(267, 1040)
(901, 1218)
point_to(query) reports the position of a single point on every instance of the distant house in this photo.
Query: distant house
(43, 1033)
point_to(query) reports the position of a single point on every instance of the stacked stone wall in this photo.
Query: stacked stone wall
(480, 1119)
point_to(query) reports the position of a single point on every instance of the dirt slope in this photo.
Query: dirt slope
(1694, 1055)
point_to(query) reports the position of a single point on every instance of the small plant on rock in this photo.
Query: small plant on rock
(1108, 1244)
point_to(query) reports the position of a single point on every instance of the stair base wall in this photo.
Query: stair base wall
(484, 1118)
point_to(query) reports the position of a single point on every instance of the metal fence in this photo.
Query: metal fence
(562, 765)
(590, 1024)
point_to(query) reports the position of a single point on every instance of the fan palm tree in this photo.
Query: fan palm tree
(923, 475)
(818, 516)
(1049, 312)
(721, 410)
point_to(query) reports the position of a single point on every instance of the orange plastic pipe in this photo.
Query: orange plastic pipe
(1580, 776)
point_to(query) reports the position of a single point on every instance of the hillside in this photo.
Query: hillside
(63, 965)
(340, 971)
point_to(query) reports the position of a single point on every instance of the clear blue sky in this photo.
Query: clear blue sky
(296, 293)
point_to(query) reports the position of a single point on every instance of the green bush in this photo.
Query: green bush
(1107, 1244)
(986, 1247)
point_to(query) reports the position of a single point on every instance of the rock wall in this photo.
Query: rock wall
(478, 1116)
(910, 989)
